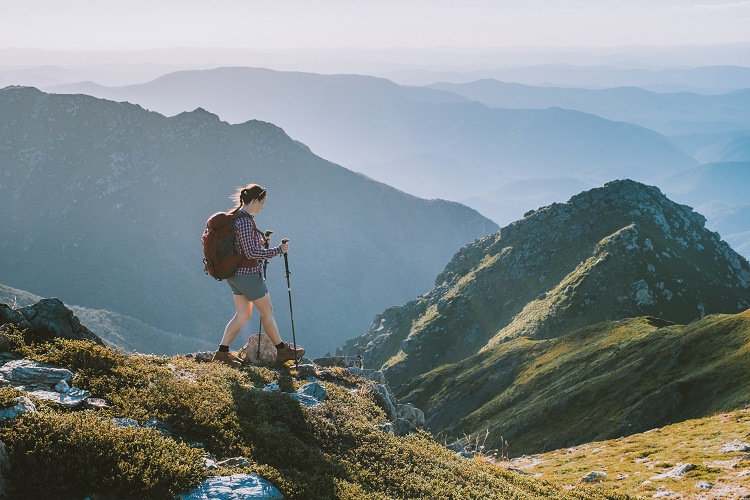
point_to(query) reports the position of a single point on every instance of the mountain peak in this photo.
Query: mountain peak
(618, 251)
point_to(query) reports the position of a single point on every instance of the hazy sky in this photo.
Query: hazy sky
(282, 24)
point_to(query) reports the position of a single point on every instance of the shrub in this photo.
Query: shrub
(77, 454)
(9, 397)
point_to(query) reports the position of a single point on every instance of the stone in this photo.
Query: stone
(677, 472)
(704, 485)
(47, 319)
(71, 399)
(734, 446)
(411, 414)
(125, 422)
(339, 361)
(314, 390)
(594, 476)
(24, 405)
(234, 462)
(95, 404)
(385, 398)
(258, 351)
(234, 487)
(25, 372)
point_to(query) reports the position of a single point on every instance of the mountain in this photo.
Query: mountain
(718, 191)
(704, 79)
(164, 428)
(117, 330)
(620, 251)
(105, 204)
(669, 113)
(398, 134)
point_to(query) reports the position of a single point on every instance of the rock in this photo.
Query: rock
(25, 372)
(411, 414)
(234, 462)
(677, 472)
(95, 404)
(339, 361)
(594, 476)
(272, 387)
(205, 356)
(24, 405)
(398, 427)
(71, 399)
(235, 487)
(259, 351)
(125, 422)
(735, 446)
(164, 428)
(386, 399)
(313, 390)
(62, 387)
(308, 371)
(48, 319)
(704, 485)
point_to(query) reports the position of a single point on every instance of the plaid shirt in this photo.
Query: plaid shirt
(250, 242)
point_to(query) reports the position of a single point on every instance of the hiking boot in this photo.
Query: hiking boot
(288, 353)
(227, 358)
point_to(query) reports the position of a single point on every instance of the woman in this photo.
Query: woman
(247, 284)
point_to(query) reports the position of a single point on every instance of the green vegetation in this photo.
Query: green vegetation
(330, 451)
(608, 380)
(632, 463)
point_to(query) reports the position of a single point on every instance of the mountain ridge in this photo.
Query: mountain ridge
(127, 194)
(622, 250)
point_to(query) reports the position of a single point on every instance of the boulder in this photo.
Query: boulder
(25, 372)
(47, 319)
(24, 405)
(234, 487)
(411, 414)
(387, 400)
(594, 476)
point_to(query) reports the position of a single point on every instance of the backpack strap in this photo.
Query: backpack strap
(247, 261)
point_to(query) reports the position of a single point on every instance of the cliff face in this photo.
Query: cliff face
(615, 252)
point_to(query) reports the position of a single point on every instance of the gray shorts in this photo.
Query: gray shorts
(252, 286)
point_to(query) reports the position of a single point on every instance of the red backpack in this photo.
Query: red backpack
(219, 258)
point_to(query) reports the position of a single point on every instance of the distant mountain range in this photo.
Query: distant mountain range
(671, 114)
(620, 251)
(428, 142)
(104, 204)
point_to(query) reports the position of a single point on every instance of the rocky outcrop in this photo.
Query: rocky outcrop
(47, 319)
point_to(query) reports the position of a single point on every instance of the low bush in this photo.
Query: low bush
(73, 455)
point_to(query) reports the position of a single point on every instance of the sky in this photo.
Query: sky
(293, 24)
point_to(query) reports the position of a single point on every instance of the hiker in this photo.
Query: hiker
(247, 283)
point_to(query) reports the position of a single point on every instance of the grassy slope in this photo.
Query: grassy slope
(608, 380)
(632, 462)
(329, 451)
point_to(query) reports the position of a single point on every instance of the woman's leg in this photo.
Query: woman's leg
(265, 308)
(244, 310)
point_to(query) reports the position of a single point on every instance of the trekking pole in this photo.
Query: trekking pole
(289, 289)
(265, 265)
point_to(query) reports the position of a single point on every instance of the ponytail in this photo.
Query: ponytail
(247, 194)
